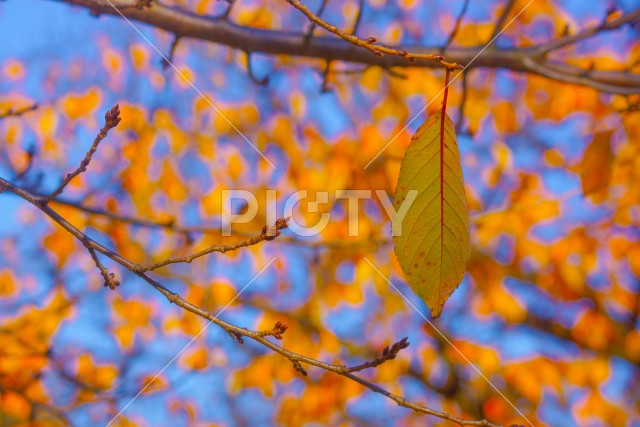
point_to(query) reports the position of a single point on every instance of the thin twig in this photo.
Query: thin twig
(184, 229)
(281, 42)
(463, 101)
(277, 331)
(259, 81)
(111, 120)
(166, 62)
(309, 34)
(358, 20)
(258, 336)
(16, 112)
(588, 32)
(109, 278)
(389, 353)
(370, 43)
(267, 234)
(503, 17)
(456, 28)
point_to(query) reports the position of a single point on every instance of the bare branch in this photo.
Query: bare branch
(259, 336)
(456, 28)
(267, 234)
(589, 32)
(109, 278)
(463, 101)
(220, 30)
(309, 34)
(389, 353)
(370, 43)
(276, 332)
(503, 17)
(111, 120)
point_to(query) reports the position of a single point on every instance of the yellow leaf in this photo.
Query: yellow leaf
(7, 283)
(61, 244)
(596, 164)
(433, 246)
(196, 360)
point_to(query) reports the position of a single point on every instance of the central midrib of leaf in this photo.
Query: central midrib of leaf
(442, 147)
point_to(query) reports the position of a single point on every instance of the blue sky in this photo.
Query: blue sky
(45, 32)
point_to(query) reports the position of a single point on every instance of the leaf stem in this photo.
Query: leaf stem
(446, 93)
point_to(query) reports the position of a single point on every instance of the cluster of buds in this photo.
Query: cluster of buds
(236, 336)
(112, 117)
(279, 329)
(392, 352)
(272, 232)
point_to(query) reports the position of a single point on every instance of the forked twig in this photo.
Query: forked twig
(111, 120)
(371, 43)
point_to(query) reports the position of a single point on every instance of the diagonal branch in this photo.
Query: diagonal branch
(258, 336)
(309, 34)
(111, 120)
